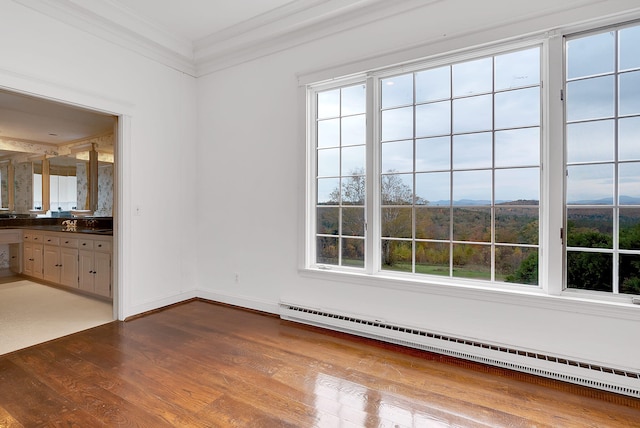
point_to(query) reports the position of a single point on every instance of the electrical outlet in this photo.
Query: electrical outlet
(237, 279)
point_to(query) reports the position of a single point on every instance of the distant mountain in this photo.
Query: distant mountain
(624, 200)
(480, 202)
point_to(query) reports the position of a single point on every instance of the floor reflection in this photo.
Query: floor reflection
(342, 403)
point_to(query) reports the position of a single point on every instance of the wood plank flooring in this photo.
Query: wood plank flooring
(200, 364)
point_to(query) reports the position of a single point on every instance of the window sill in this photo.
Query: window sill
(575, 301)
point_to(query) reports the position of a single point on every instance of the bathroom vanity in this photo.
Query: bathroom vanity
(78, 258)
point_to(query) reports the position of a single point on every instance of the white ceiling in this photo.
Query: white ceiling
(196, 19)
(26, 118)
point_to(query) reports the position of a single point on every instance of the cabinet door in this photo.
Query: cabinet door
(102, 273)
(69, 267)
(15, 258)
(28, 258)
(37, 260)
(51, 263)
(85, 271)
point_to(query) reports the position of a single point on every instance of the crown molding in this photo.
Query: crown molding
(297, 22)
(294, 24)
(112, 23)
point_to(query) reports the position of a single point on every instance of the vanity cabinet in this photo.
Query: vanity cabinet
(15, 258)
(80, 261)
(33, 254)
(68, 261)
(95, 266)
(60, 260)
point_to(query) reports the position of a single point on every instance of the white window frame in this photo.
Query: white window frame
(551, 267)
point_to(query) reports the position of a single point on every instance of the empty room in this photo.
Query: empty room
(331, 213)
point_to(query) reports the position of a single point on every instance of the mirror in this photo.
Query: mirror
(38, 134)
(76, 180)
(63, 185)
(76, 187)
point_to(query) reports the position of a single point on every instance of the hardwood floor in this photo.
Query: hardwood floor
(206, 365)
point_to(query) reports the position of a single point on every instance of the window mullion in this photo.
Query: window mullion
(372, 216)
(553, 172)
(310, 184)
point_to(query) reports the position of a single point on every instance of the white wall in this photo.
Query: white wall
(48, 58)
(251, 178)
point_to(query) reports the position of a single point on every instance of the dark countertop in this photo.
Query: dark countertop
(58, 228)
(92, 225)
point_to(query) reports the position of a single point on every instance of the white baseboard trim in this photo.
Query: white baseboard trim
(243, 301)
(160, 303)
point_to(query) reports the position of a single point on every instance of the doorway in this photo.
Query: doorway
(36, 129)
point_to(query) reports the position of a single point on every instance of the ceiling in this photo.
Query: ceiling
(27, 118)
(196, 19)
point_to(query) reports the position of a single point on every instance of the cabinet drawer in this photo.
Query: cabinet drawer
(85, 244)
(51, 240)
(102, 245)
(69, 242)
(32, 237)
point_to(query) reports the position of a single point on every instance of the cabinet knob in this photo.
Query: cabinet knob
(99, 245)
(84, 243)
(66, 242)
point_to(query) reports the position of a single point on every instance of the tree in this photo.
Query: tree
(527, 272)
(629, 272)
(396, 220)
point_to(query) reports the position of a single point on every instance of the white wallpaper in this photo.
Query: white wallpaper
(4, 256)
(105, 191)
(4, 190)
(83, 186)
(105, 188)
(23, 181)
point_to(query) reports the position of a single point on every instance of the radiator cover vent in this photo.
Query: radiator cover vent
(573, 371)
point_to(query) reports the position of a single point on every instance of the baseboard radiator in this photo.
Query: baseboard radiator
(577, 372)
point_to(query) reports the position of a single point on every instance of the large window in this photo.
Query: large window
(340, 185)
(434, 171)
(460, 175)
(603, 160)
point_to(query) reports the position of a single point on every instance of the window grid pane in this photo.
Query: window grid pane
(340, 176)
(460, 145)
(602, 199)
